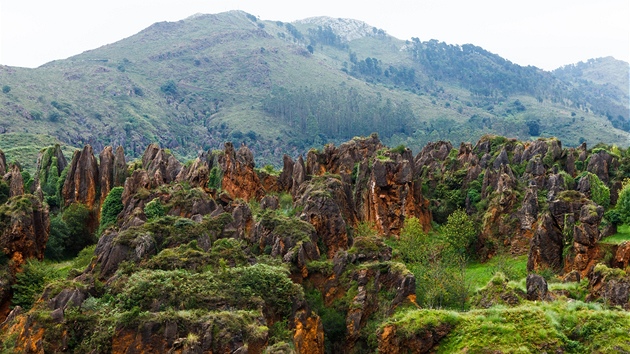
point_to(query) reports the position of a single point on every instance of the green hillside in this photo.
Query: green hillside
(192, 84)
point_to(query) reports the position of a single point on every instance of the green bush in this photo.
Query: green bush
(215, 178)
(112, 206)
(154, 209)
(57, 239)
(76, 217)
(4, 191)
(29, 284)
(623, 203)
(600, 193)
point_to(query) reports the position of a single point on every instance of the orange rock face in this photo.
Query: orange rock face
(82, 179)
(392, 196)
(240, 180)
(390, 342)
(309, 333)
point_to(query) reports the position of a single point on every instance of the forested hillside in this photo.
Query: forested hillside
(192, 84)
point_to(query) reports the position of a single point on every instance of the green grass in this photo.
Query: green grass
(623, 234)
(574, 327)
(24, 148)
(479, 274)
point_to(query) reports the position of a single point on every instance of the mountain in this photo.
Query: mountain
(192, 84)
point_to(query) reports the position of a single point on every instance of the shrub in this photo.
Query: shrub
(29, 283)
(600, 193)
(4, 191)
(215, 178)
(76, 217)
(57, 239)
(154, 209)
(112, 206)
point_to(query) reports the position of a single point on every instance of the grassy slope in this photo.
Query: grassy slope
(223, 66)
(623, 234)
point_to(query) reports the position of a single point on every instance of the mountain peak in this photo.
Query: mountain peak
(346, 28)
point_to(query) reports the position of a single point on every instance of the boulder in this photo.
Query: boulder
(537, 288)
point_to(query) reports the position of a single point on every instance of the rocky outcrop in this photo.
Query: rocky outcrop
(609, 285)
(393, 339)
(82, 181)
(292, 240)
(601, 163)
(432, 155)
(571, 223)
(393, 195)
(15, 181)
(285, 180)
(221, 332)
(546, 247)
(369, 283)
(501, 221)
(309, 333)
(622, 256)
(342, 160)
(82, 185)
(50, 164)
(3, 163)
(112, 170)
(161, 166)
(240, 179)
(24, 230)
(324, 202)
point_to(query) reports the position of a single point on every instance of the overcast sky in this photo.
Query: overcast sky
(543, 33)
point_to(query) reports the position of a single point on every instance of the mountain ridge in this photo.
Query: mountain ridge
(218, 75)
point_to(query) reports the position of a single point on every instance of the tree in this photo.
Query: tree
(623, 203)
(459, 231)
(76, 217)
(169, 88)
(6, 89)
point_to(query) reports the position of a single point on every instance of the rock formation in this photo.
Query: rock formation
(239, 177)
(3, 163)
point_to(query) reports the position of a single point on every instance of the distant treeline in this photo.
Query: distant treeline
(338, 113)
(488, 75)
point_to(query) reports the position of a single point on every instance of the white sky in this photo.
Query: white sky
(543, 33)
